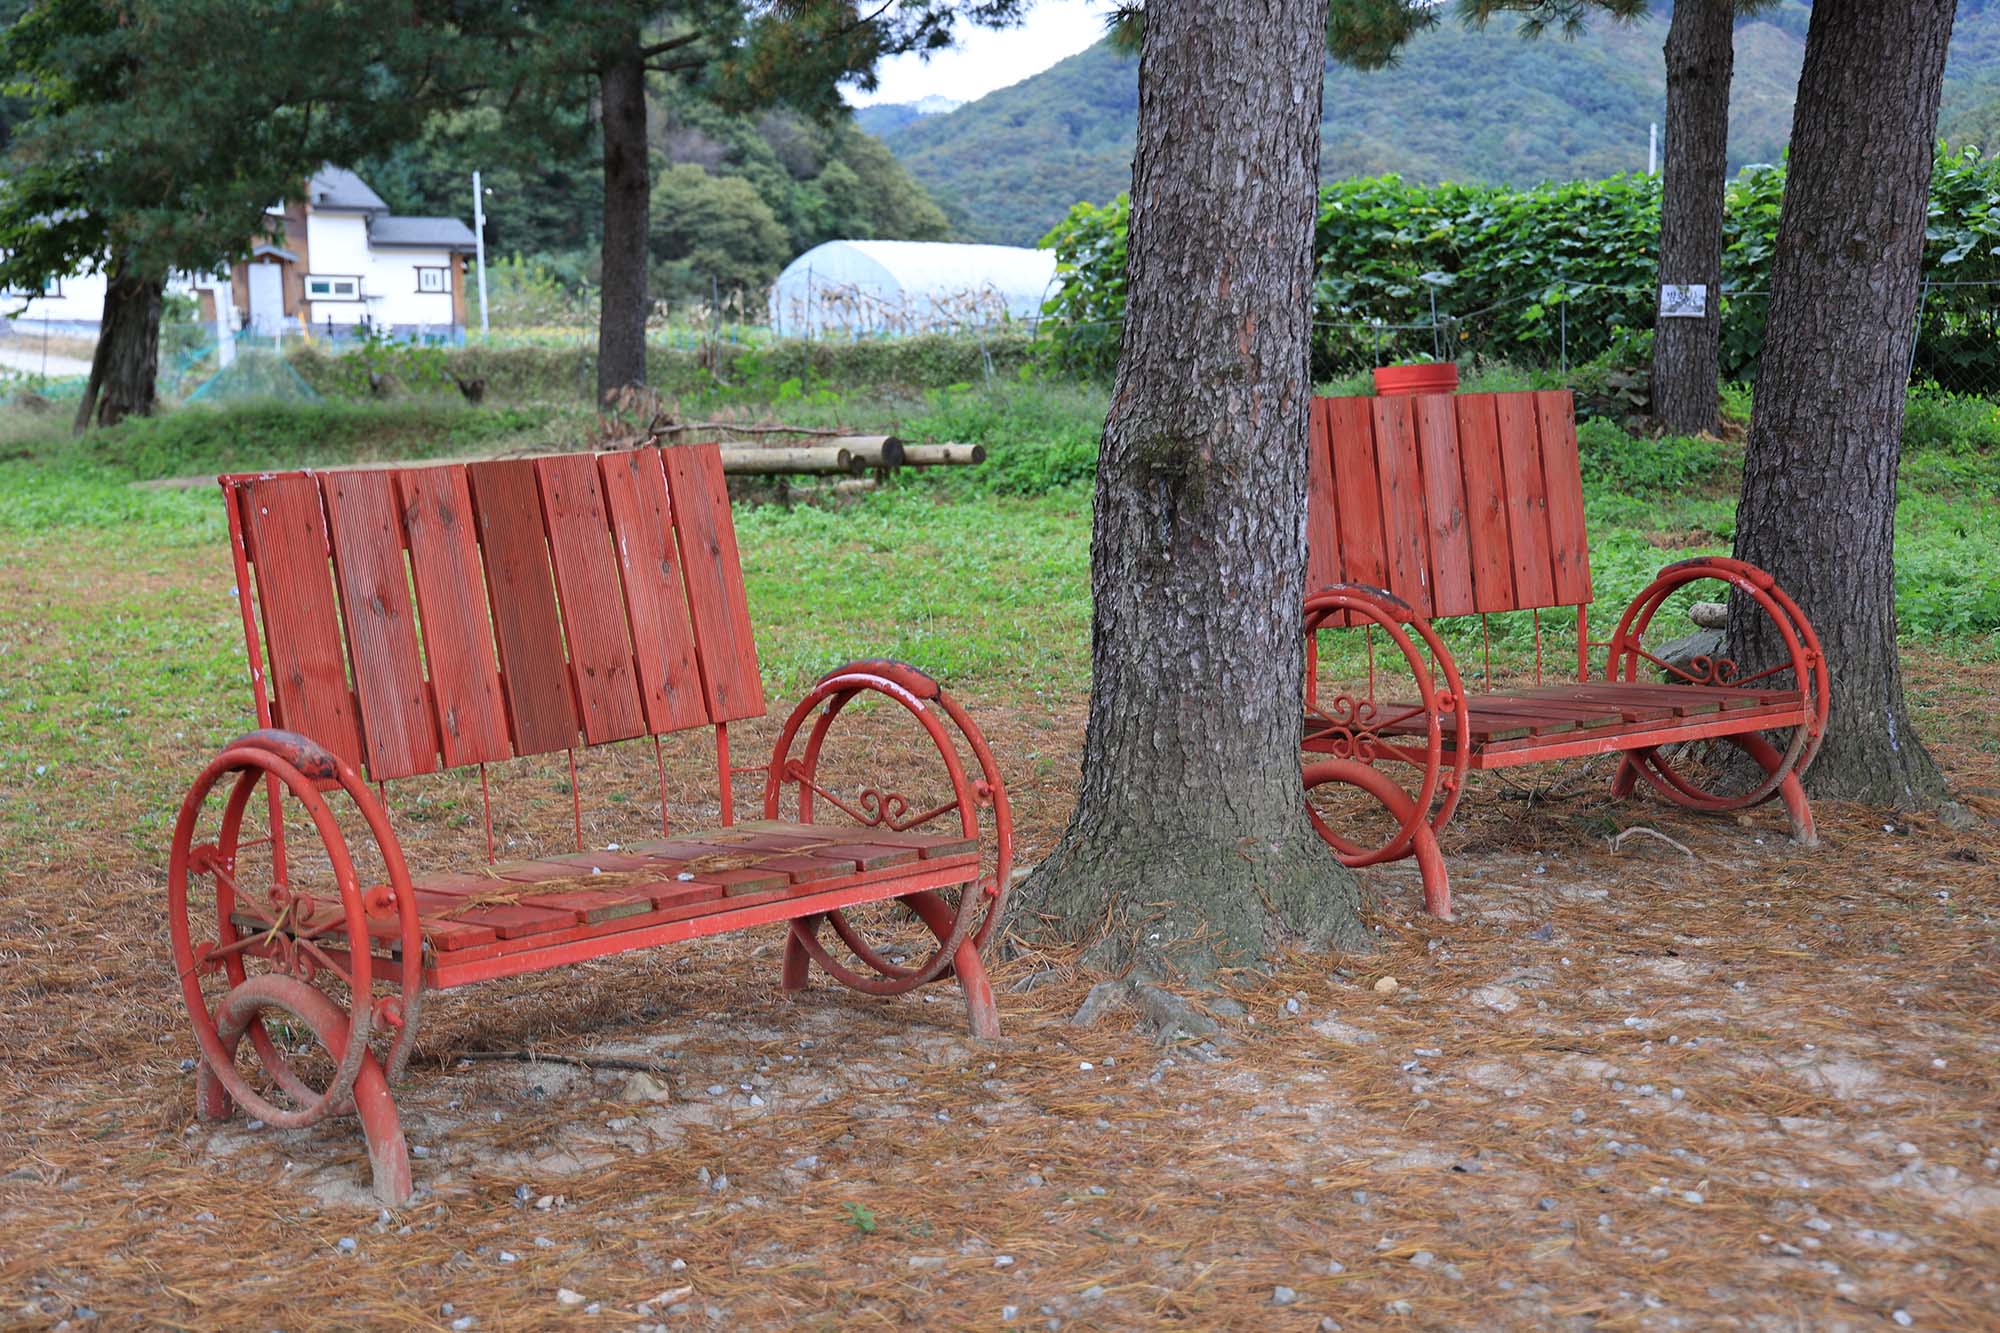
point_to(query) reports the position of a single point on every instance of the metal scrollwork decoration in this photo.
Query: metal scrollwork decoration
(1781, 753)
(975, 807)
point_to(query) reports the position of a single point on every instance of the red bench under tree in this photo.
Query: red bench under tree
(1425, 507)
(408, 620)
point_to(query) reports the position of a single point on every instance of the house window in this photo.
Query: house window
(433, 280)
(322, 287)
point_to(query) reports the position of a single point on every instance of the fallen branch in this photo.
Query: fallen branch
(680, 427)
(1619, 840)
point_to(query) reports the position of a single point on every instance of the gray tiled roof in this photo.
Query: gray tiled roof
(337, 187)
(424, 233)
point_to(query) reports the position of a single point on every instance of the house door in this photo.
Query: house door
(267, 299)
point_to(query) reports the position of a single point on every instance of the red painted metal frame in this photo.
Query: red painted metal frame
(369, 1036)
(1423, 837)
(961, 930)
(1352, 729)
(1805, 660)
(1359, 731)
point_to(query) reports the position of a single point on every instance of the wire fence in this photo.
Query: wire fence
(1565, 325)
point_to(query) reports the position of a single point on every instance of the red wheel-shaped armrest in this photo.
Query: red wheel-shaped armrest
(1626, 655)
(795, 766)
(920, 684)
(297, 767)
(1351, 727)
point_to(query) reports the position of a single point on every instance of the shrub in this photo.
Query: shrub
(1954, 423)
(1038, 438)
(194, 440)
(926, 361)
(569, 374)
(1615, 463)
(1525, 275)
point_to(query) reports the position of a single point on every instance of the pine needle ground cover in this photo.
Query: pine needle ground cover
(1717, 1080)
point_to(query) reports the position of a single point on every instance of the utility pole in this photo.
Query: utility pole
(479, 248)
(1653, 149)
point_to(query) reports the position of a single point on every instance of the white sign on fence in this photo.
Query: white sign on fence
(1683, 300)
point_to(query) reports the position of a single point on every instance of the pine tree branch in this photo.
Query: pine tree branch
(670, 44)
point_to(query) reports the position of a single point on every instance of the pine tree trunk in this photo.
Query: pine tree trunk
(1701, 51)
(1819, 479)
(1190, 841)
(621, 323)
(125, 368)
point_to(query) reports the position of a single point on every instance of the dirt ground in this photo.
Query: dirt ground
(1731, 1083)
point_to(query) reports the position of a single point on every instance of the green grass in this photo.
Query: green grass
(990, 590)
(120, 639)
(50, 480)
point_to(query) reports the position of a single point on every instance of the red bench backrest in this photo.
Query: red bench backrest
(436, 616)
(1456, 503)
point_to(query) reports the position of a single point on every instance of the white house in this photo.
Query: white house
(347, 261)
(75, 303)
(337, 260)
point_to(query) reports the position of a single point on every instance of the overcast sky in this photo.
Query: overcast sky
(984, 59)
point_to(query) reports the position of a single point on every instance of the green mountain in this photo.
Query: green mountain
(1971, 113)
(1458, 105)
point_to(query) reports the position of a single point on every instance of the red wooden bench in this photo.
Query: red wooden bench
(404, 621)
(1436, 506)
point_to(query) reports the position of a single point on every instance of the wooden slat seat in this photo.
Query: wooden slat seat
(1515, 727)
(509, 909)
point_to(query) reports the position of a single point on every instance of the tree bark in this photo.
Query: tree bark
(621, 322)
(1190, 846)
(1701, 54)
(125, 368)
(1819, 478)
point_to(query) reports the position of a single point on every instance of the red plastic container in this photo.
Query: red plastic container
(1422, 377)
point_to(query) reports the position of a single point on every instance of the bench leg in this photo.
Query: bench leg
(1627, 779)
(369, 1099)
(388, 1150)
(1423, 838)
(1791, 791)
(798, 963)
(1430, 864)
(982, 1015)
(212, 1104)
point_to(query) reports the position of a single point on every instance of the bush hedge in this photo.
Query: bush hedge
(558, 374)
(1524, 275)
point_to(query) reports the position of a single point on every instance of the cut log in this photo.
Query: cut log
(939, 455)
(847, 455)
(750, 461)
(873, 451)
